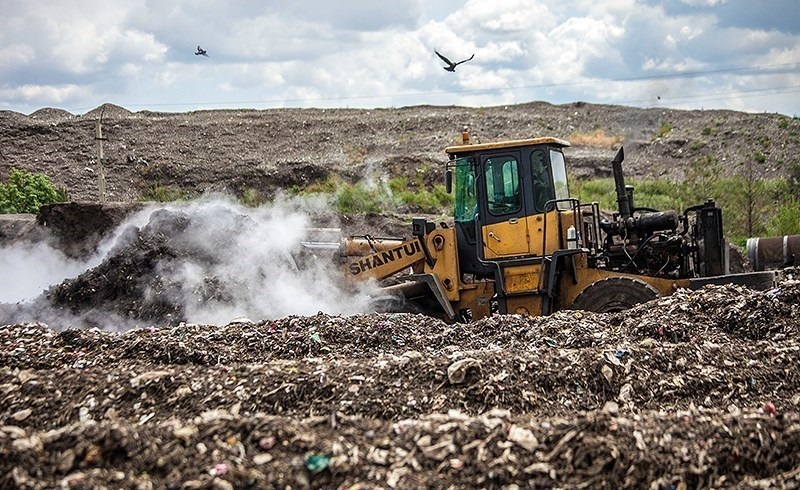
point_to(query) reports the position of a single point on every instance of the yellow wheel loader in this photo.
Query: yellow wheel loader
(518, 243)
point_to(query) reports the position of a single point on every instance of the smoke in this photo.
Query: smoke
(254, 254)
(29, 269)
(209, 261)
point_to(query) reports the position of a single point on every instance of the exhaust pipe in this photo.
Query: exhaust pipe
(624, 203)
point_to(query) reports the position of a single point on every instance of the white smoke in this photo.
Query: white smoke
(27, 270)
(256, 261)
(239, 262)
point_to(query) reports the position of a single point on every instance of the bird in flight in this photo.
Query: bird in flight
(450, 65)
(201, 51)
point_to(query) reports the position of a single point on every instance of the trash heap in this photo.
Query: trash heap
(697, 390)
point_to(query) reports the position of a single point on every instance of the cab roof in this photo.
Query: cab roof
(460, 149)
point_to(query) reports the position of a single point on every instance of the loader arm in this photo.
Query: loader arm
(387, 257)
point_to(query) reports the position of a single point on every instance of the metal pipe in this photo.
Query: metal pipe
(619, 184)
(767, 253)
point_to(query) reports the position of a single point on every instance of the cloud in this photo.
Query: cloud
(16, 55)
(365, 54)
(46, 95)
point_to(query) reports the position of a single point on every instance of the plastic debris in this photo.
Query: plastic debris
(317, 462)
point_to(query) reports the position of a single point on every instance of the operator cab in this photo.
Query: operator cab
(497, 187)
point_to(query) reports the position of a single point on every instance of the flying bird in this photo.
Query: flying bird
(201, 51)
(450, 65)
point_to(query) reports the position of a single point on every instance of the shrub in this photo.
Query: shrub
(664, 130)
(353, 198)
(661, 194)
(251, 198)
(794, 177)
(786, 220)
(160, 193)
(26, 192)
(598, 190)
(359, 198)
(433, 201)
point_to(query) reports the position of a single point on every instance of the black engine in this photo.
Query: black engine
(660, 243)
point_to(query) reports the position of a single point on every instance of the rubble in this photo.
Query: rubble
(697, 390)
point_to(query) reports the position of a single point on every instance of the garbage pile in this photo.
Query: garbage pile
(204, 261)
(140, 278)
(697, 390)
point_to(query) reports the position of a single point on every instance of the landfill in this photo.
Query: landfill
(696, 390)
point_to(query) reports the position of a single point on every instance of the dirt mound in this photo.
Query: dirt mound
(51, 114)
(79, 228)
(140, 277)
(109, 111)
(15, 228)
(673, 394)
(696, 390)
(266, 150)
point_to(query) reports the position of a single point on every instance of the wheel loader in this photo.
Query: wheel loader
(519, 243)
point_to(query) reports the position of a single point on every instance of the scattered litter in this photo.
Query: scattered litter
(648, 397)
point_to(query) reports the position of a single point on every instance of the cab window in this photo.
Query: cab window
(502, 185)
(542, 188)
(559, 178)
(466, 201)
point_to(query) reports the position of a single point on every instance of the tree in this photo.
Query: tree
(702, 178)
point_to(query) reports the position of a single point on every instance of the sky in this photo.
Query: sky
(140, 54)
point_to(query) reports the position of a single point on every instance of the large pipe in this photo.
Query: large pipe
(773, 252)
(619, 182)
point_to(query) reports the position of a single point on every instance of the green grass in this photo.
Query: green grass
(161, 193)
(750, 207)
(361, 198)
(355, 199)
(663, 130)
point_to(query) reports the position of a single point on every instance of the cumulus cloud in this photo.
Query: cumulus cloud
(46, 95)
(361, 53)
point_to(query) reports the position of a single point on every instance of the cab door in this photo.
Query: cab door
(504, 229)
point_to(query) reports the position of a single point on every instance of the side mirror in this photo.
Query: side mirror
(448, 181)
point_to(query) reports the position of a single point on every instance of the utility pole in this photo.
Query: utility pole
(101, 175)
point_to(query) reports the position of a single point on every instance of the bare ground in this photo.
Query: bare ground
(263, 151)
(699, 390)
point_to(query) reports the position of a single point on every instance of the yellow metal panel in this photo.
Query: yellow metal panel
(525, 305)
(384, 263)
(506, 239)
(476, 298)
(526, 235)
(521, 279)
(442, 245)
(555, 227)
(569, 290)
(453, 150)
(358, 246)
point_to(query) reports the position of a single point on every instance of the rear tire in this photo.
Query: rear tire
(614, 294)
